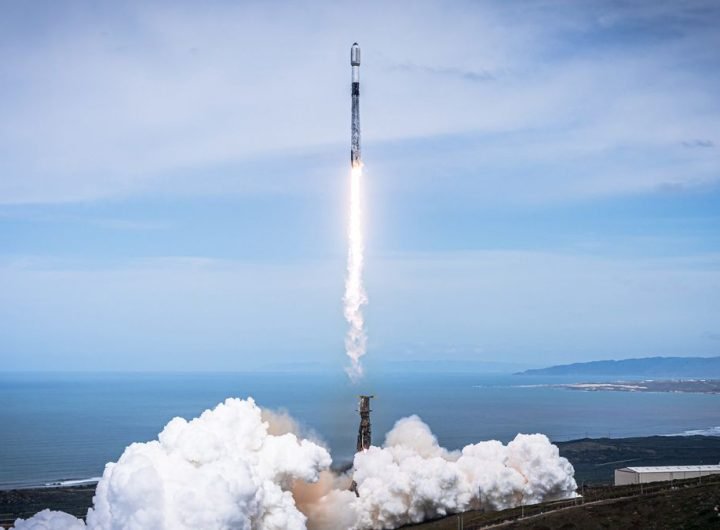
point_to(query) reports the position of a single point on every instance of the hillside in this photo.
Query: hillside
(595, 459)
(671, 367)
(661, 506)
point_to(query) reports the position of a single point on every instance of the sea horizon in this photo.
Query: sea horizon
(64, 426)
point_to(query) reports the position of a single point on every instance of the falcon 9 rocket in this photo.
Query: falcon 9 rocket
(355, 91)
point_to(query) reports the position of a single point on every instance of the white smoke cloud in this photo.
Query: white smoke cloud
(50, 520)
(241, 467)
(221, 470)
(412, 478)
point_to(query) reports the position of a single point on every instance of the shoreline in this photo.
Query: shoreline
(59, 484)
(657, 386)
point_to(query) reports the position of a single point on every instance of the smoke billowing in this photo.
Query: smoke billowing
(50, 520)
(240, 467)
(411, 478)
(355, 297)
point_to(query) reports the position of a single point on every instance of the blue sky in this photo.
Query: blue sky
(542, 182)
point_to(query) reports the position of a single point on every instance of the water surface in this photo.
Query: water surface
(67, 426)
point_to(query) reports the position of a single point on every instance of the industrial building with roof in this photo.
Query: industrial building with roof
(642, 475)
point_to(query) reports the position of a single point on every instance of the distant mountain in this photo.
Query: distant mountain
(670, 367)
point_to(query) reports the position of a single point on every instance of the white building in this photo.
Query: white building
(642, 475)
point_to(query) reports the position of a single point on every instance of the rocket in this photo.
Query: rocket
(355, 120)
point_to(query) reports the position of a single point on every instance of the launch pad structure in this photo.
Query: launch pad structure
(364, 439)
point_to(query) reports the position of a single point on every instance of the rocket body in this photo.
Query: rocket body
(355, 119)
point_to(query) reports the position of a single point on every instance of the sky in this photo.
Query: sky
(542, 182)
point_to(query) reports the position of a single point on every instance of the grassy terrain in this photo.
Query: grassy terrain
(595, 460)
(686, 505)
(26, 502)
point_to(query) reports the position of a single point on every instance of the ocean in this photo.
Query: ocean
(57, 427)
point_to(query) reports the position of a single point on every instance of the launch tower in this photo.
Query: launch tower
(364, 439)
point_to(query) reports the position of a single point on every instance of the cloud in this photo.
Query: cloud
(48, 519)
(520, 305)
(413, 479)
(467, 75)
(180, 308)
(170, 98)
(698, 143)
(198, 313)
(237, 466)
(36, 214)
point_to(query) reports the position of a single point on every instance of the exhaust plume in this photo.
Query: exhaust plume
(355, 297)
(50, 520)
(240, 467)
(412, 478)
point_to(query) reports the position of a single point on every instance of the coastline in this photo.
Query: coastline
(26, 502)
(673, 386)
(56, 484)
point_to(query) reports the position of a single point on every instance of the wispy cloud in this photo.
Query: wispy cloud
(467, 75)
(698, 143)
(152, 97)
(36, 215)
(195, 312)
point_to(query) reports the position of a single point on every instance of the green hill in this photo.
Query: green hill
(670, 367)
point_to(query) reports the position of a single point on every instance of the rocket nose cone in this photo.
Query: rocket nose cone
(355, 54)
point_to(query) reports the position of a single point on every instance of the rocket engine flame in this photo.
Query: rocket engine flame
(355, 297)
